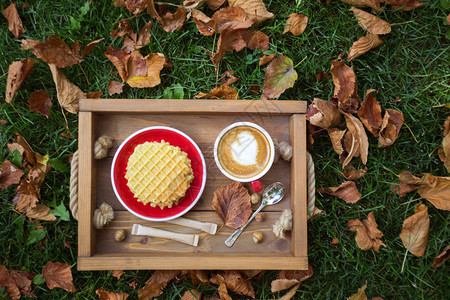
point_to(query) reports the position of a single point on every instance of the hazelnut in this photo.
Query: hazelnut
(259, 217)
(255, 198)
(120, 235)
(257, 237)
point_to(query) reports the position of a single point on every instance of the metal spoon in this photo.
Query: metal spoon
(271, 195)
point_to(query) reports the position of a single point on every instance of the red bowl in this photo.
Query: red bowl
(157, 134)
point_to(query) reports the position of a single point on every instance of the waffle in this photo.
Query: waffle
(159, 174)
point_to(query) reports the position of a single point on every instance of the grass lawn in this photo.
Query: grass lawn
(412, 64)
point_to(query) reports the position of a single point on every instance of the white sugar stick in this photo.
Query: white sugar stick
(210, 228)
(179, 237)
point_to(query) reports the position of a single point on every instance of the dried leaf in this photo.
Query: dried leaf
(370, 113)
(446, 143)
(205, 24)
(55, 51)
(364, 44)
(229, 40)
(223, 292)
(123, 29)
(371, 23)
(231, 18)
(360, 295)
(68, 94)
(18, 71)
(266, 59)
(215, 4)
(288, 278)
(280, 75)
(16, 282)
(117, 273)
(40, 101)
(192, 294)
(236, 283)
(414, 234)
(171, 22)
(367, 233)
(337, 138)
(221, 92)
(58, 275)
(354, 174)
(198, 276)
(118, 3)
(334, 242)
(436, 190)
(104, 295)
(26, 197)
(14, 22)
(296, 24)
(119, 58)
(439, 260)
(156, 283)
(228, 78)
(346, 191)
(408, 183)
(390, 127)
(145, 71)
(24, 148)
(114, 87)
(323, 114)
(360, 142)
(9, 174)
(282, 284)
(232, 204)
(256, 40)
(374, 4)
(344, 80)
(405, 5)
(254, 8)
(41, 212)
(291, 293)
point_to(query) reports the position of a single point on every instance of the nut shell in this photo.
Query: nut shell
(120, 235)
(257, 237)
(259, 217)
(255, 198)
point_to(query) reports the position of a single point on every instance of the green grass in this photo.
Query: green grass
(412, 64)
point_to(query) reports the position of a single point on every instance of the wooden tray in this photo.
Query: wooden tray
(202, 120)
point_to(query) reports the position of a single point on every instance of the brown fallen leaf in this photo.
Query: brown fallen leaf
(137, 6)
(232, 204)
(359, 143)
(280, 75)
(254, 8)
(266, 59)
(374, 4)
(14, 22)
(171, 22)
(354, 174)
(41, 212)
(16, 282)
(439, 260)
(40, 101)
(123, 29)
(337, 138)
(228, 78)
(291, 293)
(24, 148)
(414, 234)
(390, 127)
(205, 24)
(55, 51)
(223, 292)
(282, 284)
(344, 80)
(436, 190)
(131, 41)
(191, 294)
(105, 295)
(231, 18)
(114, 87)
(215, 4)
(335, 242)
(156, 283)
(323, 114)
(347, 191)
(26, 197)
(118, 3)
(229, 40)
(221, 92)
(367, 233)
(58, 275)
(238, 284)
(18, 71)
(3, 122)
(144, 72)
(408, 183)
(446, 144)
(117, 273)
(9, 174)
(256, 40)
(300, 275)
(370, 113)
(119, 58)
(68, 94)
(371, 23)
(364, 44)
(290, 278)
(198, 276)
(405, 5)
(360, 295)
(296, 24)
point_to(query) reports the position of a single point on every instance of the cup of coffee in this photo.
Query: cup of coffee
(244, 152)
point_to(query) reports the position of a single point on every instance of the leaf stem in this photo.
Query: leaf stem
(411, 133)
(301, 61)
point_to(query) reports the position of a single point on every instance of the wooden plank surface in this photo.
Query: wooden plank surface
(87, 180)
(207, 243)
(164, 106)
(203, 129)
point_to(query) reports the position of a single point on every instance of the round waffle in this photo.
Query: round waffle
(159, 174)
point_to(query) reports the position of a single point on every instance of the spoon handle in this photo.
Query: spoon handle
(230, 241)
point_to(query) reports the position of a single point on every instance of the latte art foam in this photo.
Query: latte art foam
(243, 152)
